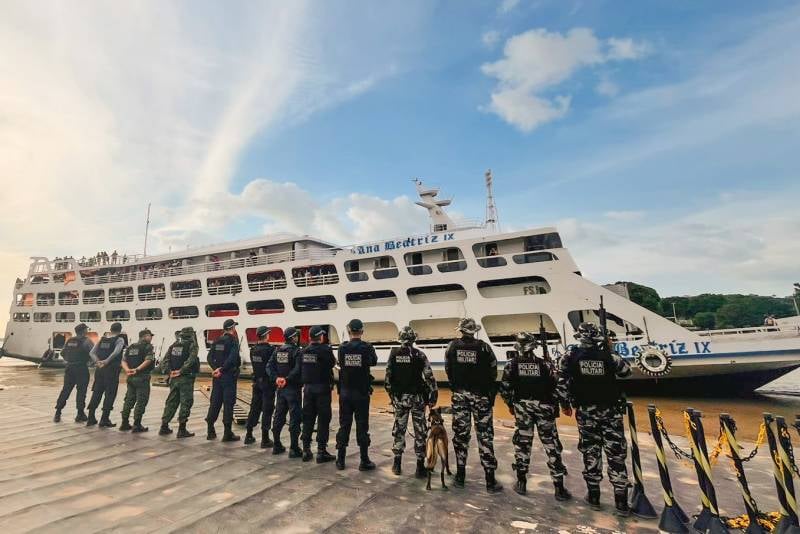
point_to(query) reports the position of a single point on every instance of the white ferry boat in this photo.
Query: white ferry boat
(507, 281)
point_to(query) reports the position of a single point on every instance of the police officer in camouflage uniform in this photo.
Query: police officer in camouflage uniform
(528, 387)
(316, 373)
(137, 362)
(181, 365)
(76, 374)
(355, 359)
(263, 401)
(411, 387)
(223, 358)
(107, 357)
(471, 368)
(284, 371)
(589, 373)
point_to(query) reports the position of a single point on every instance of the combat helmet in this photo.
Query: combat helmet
(407, 336)
(468, 326)
(587, 333)
(526, 342)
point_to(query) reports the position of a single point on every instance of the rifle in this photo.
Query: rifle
(543, 339)
(604, 327)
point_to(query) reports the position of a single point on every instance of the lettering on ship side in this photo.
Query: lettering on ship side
(409, 242)
(674, 348)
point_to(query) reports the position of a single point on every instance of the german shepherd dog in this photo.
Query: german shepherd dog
(436, 446)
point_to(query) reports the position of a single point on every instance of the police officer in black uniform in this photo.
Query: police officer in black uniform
(263, 402)
(316, 373)
(355, 359)
(76, 354)
(224, 360)
(107, 356)
(284, 370)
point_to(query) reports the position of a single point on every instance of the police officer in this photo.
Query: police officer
(284, 371)
(137, 362)
(529, 389)
(472, 370)
(107, 357)
(224, 360)
(263, 402)
(316, 373)
(411, 387)
(355, 359)
(589, 372)
(181, 365)
(75, 353)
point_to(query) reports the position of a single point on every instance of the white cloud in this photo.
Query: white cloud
(624, 215)
(537, 61)
(507, 5)
(490, 38)
(606, 87)
(627, 49)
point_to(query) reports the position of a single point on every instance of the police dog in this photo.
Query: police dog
(436, 446)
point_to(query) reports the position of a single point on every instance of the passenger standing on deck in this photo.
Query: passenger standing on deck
(529, 389)
(589, 373)
(316, 373)
(107, 357)
(137, 362)
(224, 360)
(76, 374)
(355, 359)
(263, 402)
(181, 365)
(471, 368)
(284, 370)
(411, 387)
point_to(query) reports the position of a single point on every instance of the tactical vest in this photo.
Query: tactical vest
(75, 352)
(136, 355)
(285, 358)
(177, 355)
(105, 347)
(220, 350)
(316, 364)
(260, 354)
(468, 366)
(407, 371)
(534, 378)
(354, 372)
(593, 378)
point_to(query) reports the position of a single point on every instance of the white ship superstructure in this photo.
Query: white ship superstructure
(508, 282)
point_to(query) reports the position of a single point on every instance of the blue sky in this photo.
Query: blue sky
(661, 138)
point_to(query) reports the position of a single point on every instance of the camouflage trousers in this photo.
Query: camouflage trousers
(601, 429)
(467, 406)
(181, 393)
(530, 415)
(405, 404)
(136, 396)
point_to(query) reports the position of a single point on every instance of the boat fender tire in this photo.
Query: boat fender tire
(654, 362)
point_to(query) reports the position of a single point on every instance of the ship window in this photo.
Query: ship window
(275, 335)
(534, 257)
(385, 268)
(381, 333)
(45, 299)
(22, 317)
(617, 326)
(439, 227)
(211, 335)
(222, 310)
(453, 261)
(90, 316)
(331, 335)
(440, 293)
(262, 307)
(315, 275)
(152, 292)
(66, 298)
(120, 294)
(369, 299)
(149, 314)
(414, 264)
(542, 242)
(488, 255)
(93, 296)
(503, 329)
(65, 317)
(514, 287)
(183, 312)
(118, 315)
(435, 332)
(266, 281)
(354, 272)
(224, 285)
(186, 289)
(42, 317)
(40, 279)
(317, 303)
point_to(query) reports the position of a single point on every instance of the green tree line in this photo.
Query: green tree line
(711, 310)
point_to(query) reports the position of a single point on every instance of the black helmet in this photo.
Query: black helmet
(187, 332)
(291, 332)
(116, 328)
(407, 336)
(145, 332)
(262, 331)
(355, 325)
(81, 328)
(316, 331)
(587, 333)
(526, 342)
(228, 324)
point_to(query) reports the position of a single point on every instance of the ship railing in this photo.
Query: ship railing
(317, 280)
(153, 295)
(45, 302)
(184, 316)
(93, 300)
(735, 331)
(448, 266)
(226, 289)
(267, 285)
(128, 297)
(68, 301)
(186, 293)
(496, 260)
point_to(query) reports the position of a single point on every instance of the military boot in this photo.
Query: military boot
(137, 426)
(211, 433)
(80, 417)
(124, 425)
(228, 435)
(248, 437)
(266, 443)
(421, 472)
(182, 432)
(621, 507)
(277, 447)
(165, 430)
(105, 422)
(366, 464)
(461, 475)
(397, 466)
(91, 420)
(57, 417)
(323, 456)
(593, 497)
(561, 493)
(492, 485)
(521, 486)
(340, 454)
(307, 454)
(294, 446)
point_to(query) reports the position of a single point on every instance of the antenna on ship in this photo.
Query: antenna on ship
(492, 219)
(146, 229)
